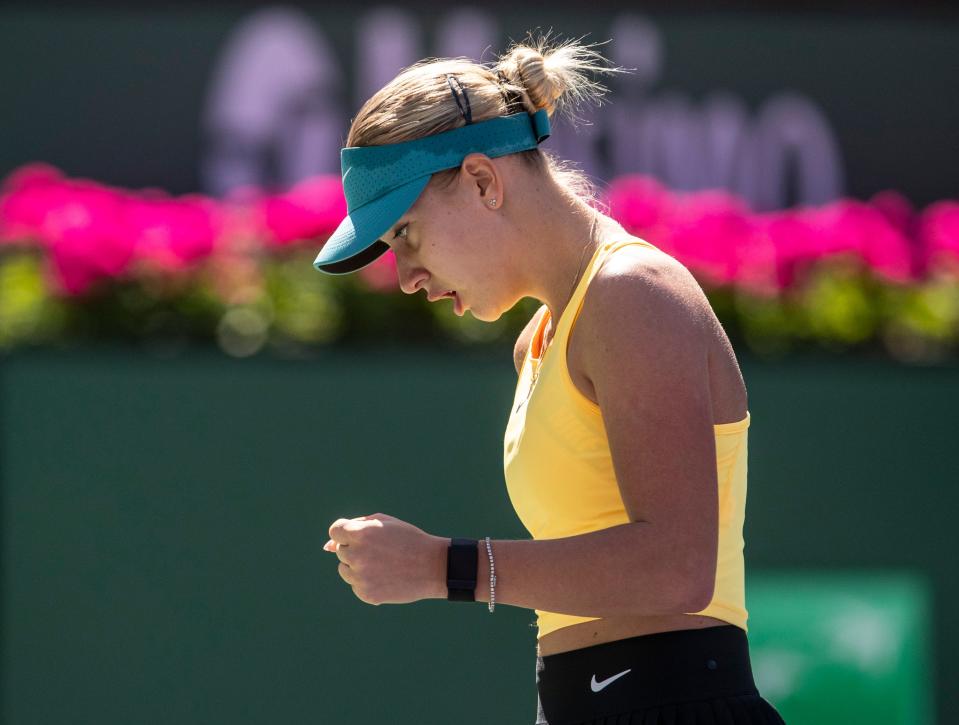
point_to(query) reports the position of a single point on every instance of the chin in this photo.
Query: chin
(479, 315)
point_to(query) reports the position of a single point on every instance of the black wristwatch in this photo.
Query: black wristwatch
(461, 566)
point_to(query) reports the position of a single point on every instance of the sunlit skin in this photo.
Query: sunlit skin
(532, 242)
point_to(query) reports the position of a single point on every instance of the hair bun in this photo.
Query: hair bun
(552, 76)
(527, 67)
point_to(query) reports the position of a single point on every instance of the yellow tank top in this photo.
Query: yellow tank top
(559, 471)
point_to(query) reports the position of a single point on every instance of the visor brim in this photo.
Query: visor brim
(356, 241)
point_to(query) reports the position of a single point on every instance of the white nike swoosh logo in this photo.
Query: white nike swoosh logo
(597, 686)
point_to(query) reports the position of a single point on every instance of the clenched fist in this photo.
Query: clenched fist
(389, 561)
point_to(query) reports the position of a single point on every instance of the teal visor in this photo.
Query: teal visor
(382, 182)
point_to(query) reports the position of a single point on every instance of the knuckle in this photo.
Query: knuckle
(335, 525)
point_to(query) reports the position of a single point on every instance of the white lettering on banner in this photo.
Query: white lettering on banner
(791, 129)
(274, 113)
(717, 145)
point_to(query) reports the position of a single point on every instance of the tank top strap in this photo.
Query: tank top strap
(575, 304)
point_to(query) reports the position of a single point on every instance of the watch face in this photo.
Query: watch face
(461, 567)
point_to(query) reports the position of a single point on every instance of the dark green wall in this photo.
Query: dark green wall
(163, 522)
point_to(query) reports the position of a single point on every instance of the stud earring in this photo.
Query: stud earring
(492, 202)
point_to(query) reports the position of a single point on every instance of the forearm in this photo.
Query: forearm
(622, 570)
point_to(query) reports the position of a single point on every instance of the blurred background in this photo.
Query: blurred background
(186, 405)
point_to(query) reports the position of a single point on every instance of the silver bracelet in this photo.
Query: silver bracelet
(492, 577)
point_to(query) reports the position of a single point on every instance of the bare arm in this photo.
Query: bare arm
(645, 334)
(622, 570)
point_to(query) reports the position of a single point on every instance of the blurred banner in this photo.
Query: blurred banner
(842, 646)
(780, 107)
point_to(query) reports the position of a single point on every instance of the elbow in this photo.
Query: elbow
(697, 584)
(685, 581)
(684, 594)
(699, 594)
(693, 590)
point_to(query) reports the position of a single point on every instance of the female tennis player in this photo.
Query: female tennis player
(625, 450)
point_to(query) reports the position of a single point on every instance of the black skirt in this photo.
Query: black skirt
(685, 677)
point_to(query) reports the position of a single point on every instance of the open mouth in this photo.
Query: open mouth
(441, 296)
(458, 306)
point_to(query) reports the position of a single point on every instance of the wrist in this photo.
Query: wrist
(438, 568)
(438, 560)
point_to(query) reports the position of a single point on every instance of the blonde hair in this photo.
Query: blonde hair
(531, 75)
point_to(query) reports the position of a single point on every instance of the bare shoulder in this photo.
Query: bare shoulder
(646, 315)
(643, 304)
(647, 287)
(522, 342)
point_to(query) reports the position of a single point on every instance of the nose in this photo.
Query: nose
(411, 281)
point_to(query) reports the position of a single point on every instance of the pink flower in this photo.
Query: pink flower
(853, 227)
(173, 234)
(709, 230)
(757, 269)
(93, 232)
(785, 240)
(897, 210)
(27, 195)
(87, 238)
(939, 237)
(381, 274)
(310, 210)
(80, 223)
(638, 202)
(886, 248)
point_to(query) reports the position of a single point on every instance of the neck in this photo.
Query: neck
(562, 239)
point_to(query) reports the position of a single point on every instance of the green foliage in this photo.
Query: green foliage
(28, 315)
(279, 302)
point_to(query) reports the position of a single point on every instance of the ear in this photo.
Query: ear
(485, 178)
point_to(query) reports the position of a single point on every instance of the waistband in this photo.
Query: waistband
(644, 671)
